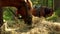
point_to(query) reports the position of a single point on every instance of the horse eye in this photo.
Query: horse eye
(19, 8)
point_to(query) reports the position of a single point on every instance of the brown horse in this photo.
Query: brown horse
(42, 11)
(22, 7)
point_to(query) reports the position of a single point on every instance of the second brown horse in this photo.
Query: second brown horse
(42, 11)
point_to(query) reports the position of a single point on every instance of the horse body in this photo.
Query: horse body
(42, 11)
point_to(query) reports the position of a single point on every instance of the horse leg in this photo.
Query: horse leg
(1, 19)
(28, 20)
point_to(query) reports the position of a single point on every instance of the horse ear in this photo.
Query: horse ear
(26, 0)
(29, 3)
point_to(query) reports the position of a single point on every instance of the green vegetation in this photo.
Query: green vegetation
(58, 12)
(55, 16)
(7, 14)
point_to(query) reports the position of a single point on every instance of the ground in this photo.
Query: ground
(41, 26)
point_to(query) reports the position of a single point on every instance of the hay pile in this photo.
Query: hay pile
(41, 27)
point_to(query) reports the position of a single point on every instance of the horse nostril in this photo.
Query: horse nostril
(19, 8)
(20, 17)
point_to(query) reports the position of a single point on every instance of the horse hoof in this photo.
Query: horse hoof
(30, 27)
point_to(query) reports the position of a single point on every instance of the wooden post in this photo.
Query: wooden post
(53, 4)
(46, 3)
(56, 4)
